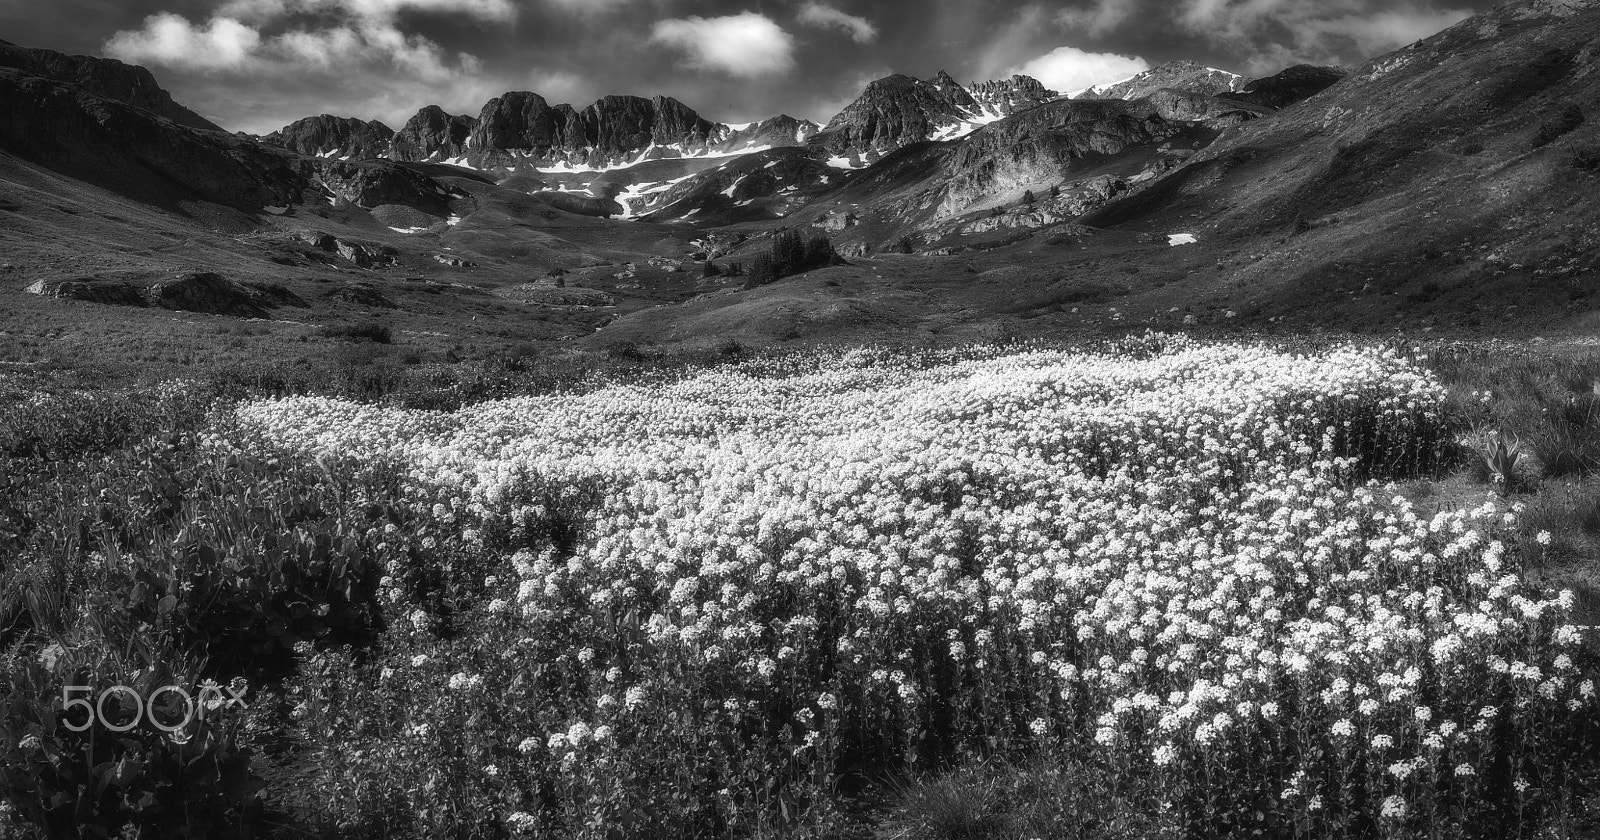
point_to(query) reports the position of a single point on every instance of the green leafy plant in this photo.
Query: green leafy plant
(1501, 457)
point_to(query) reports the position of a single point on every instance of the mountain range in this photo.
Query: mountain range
(1451, 184)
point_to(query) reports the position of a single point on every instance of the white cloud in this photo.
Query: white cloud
(1069, 69)
(859, 28)
(744, 45)
(356, 32)
(357, 58)
(167, 39)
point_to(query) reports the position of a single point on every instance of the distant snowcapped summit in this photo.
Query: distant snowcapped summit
(1175, 75)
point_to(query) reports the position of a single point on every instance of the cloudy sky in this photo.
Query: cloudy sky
(254, 65)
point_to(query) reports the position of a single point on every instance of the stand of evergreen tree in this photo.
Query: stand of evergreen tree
(789, 254)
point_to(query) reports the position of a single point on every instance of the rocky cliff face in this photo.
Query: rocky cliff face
(520, 129)
(432, 135)
(330, 136)
(125, 83)
(1175, 75)
(1040, 148)
(1004, 97)
(521, 121)
(132, 151)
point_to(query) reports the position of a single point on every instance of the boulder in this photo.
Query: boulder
(90, 290)
(366, 256)
(205, 291)
(362, 294)
(201, 291)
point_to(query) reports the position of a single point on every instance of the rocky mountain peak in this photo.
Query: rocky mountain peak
(521, 126)
(521, 121)
(895, 111)
(1177, 75)
(779, 131)
(432, 135)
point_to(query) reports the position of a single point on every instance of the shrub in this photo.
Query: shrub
(625, 350)
(372, 331)
(1570, 118)
(1586, 158)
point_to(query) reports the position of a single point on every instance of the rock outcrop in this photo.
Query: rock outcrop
(1295, 84)
(371, 184)
(1188, 106)
(336, 137)
(363, 254)
(108, 78)
(89, 290)
(1072, 202)
(1040, 147)
(362, 294)
(202, 291)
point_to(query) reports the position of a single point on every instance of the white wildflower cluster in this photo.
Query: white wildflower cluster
(1168, 538)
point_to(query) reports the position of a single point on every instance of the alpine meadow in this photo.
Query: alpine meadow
(1120, 448)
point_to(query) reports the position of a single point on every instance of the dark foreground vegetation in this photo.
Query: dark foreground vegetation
(145, 541)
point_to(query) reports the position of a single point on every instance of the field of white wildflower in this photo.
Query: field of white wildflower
(711, 606)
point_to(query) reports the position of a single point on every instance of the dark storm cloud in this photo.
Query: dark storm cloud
(257, 64)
